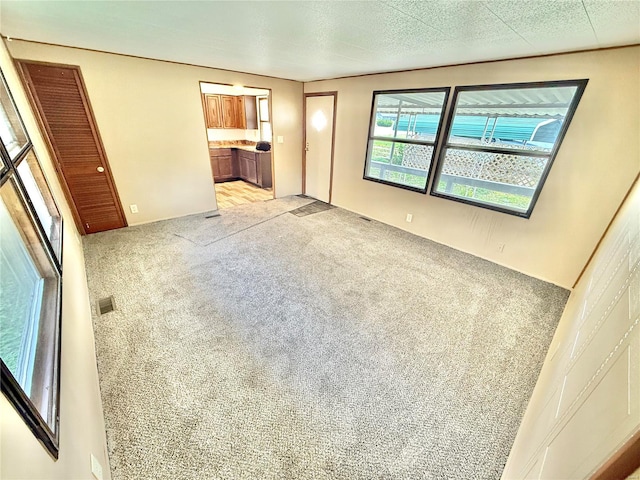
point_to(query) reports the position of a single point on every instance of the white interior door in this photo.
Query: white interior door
(319, 138)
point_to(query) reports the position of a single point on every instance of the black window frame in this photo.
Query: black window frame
(580, 85)
(435, 144)
(10, 387)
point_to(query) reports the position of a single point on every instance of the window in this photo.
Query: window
(404, 129)
(30, 281)
(501, 141)
(14, 137)
(40, 197)
(263, 117)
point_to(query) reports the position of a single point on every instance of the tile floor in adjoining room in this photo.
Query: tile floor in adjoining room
(239, 192)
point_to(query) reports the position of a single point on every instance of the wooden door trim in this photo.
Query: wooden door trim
(50, 141)
(622, 463)
(103, 154)
(304, 138)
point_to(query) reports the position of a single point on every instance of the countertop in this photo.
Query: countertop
(248, 148)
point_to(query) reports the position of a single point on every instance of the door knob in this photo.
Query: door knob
(100, 169)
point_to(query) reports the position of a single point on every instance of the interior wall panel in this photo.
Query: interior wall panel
(594, 364)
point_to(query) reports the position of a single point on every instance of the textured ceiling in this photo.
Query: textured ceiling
(316, 40)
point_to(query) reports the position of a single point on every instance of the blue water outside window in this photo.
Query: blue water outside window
(501, 141)
(403, 133)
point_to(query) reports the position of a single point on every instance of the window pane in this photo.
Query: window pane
(38, 190)
(501, 142)
(517, 119)
(263, 107)
(408, 115)
(402, 163)
(498, 179)
(402, 136)
(265, 131)
(13, 135)
(29, 305)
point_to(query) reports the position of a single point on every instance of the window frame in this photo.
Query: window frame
(56, 252)
(49, 436)
(580, 85)
(435, 144)
(261, 122)
(27, 145)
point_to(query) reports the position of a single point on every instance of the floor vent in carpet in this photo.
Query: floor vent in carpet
(365, 219)
(301, 196)
(106, 305)
(212, 215)
(313, 207)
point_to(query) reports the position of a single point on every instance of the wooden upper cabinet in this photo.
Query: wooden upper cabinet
(239, 113)
(213, 111)
(231, 111)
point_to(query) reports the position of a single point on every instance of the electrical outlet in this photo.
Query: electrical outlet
(280, 139)
(409, 217)
(134, 208)
(96, 468)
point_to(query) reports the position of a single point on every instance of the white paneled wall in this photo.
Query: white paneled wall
(586, 403)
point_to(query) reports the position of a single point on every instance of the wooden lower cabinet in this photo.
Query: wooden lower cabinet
(263, 162)
(222, 164)
(225, 164)
(248, 167)
(235, 163)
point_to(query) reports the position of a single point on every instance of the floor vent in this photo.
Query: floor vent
(212, 215)
(106, 305)
(365, 219)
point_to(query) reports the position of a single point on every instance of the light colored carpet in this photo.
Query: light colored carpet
(262, 345)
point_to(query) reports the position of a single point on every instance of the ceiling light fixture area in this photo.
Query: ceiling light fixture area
(366, 37)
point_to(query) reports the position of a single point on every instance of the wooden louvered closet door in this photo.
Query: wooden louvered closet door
(58, 95)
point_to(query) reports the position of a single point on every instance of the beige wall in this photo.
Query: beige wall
(82, 429)
(597, 162)
(150, 117)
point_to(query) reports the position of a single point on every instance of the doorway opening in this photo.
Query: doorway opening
(238, 125)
